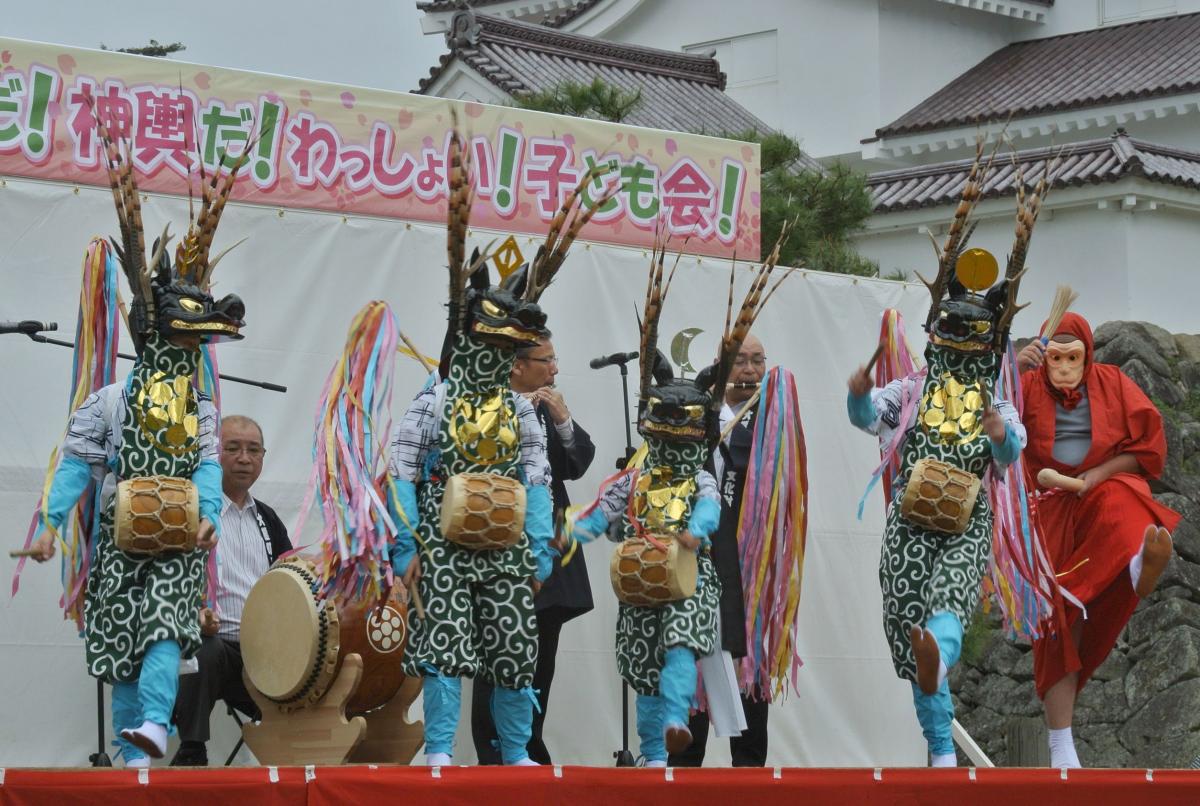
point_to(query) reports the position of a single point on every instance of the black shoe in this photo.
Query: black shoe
(190, 754)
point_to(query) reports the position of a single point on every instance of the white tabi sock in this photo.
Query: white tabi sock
(1135, 569)
(943, 760)
(943, 672)
(659, 763)
(152, 733)
(1062, 750)
(437, 759)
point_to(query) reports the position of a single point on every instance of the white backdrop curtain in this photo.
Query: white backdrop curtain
(303, 276)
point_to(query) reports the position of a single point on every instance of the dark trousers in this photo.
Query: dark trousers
(219, 678)
(483, 728)
(747, 750)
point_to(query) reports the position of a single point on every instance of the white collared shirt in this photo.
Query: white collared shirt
(243, 555)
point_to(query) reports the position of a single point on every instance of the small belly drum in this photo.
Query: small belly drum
(153, 514)
(939, 496)
(646, 575)
(483, 511)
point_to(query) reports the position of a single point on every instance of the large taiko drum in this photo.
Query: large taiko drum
(294, 640)
(648, 576)
(939, 496)
(483, 511)
(154, 514)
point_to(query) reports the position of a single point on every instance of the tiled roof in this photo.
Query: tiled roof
(680, 91)
(554, 18)
(579, 9)
(1090, 162)
(1144, 59)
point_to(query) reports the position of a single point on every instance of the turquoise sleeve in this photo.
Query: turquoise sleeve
(402, 498)
(588, 529)
(539, 526)
(861, 410)
(1006, 452)
(207, 479)
(70, 480)
(706, 514)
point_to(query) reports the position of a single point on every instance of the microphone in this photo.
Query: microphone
(612, 360)
(27, 326)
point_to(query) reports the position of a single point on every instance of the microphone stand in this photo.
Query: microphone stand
(623, 756)
(271, 387)
(100, 758)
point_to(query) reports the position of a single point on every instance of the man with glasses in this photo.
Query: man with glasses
(566, 593)
(252, 537)
(729, 464)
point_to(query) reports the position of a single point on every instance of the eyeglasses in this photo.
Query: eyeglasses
(754, 360)
(550, 359)
(253, 451)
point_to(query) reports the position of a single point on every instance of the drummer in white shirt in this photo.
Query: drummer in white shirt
(252, 537)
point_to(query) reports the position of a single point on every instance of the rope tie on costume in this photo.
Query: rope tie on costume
(532, 694)
(1076, 567)
(578, 514)
(442, 681)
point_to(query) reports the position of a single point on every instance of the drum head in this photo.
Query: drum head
(280, 633)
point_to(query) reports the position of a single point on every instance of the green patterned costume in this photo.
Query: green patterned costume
(922, 572)
(479, 615)
(930, 579)
(140, 612)
(134, 600)
(657, 646)
(932, 562)
(644, 634)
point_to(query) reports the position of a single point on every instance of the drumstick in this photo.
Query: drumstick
(737, 418)
(419, 355)
(25, 553)
(1052, 478)
(416, 600)
(874, 357)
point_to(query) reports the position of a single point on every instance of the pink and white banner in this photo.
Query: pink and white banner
(357, 151)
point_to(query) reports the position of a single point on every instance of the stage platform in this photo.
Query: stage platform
(584, 786)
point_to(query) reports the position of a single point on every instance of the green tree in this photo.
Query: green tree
(824, 207)
(597, 100)
(153, 49)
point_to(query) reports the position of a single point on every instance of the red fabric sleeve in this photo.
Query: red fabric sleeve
(1124, 421)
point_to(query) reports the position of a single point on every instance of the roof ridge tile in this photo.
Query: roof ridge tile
(1105, 160)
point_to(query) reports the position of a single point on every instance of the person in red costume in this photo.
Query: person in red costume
(1110, 541)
